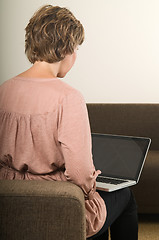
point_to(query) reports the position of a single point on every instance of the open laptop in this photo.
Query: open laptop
(120, 159)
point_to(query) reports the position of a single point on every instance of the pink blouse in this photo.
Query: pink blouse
(45, 134)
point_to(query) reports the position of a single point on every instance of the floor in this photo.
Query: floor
(148, 227)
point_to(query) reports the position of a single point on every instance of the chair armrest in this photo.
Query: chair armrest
(43, 210)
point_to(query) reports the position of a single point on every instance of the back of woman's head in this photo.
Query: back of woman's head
(51, 34)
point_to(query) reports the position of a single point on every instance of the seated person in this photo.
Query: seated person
(44, 126)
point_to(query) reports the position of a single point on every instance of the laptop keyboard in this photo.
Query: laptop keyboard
(110, 180)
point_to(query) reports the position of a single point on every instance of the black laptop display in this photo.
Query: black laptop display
(119, 157)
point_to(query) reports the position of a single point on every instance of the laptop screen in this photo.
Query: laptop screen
(119, 156)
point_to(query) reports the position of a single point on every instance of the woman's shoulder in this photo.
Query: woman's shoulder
(68, 91)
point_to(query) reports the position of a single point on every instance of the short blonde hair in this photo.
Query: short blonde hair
(51, 34)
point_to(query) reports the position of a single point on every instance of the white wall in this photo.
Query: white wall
(119, 60)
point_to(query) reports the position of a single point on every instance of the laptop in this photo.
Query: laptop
(120, 159)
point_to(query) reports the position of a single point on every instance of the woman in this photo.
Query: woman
(44, 126)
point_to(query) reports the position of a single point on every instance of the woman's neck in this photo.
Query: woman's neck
(42, 70)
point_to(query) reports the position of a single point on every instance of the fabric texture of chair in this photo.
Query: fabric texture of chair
(43, 210)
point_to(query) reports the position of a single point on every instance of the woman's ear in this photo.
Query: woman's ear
(66, 64)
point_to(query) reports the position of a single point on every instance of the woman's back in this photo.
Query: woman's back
(45, 134)
(29, 115)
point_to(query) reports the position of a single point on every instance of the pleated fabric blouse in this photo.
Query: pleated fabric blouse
(45, 135)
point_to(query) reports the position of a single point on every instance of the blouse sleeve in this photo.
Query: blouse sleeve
(75, 138)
